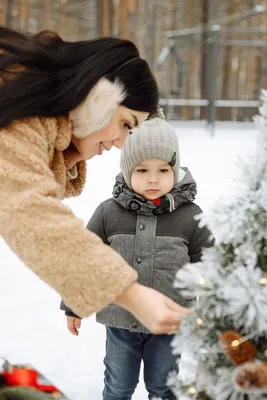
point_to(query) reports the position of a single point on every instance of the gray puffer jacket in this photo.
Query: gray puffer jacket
(156, 240)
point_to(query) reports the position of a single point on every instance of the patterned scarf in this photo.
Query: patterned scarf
(183, 192)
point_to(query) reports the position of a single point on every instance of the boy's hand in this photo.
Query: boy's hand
(73, 324)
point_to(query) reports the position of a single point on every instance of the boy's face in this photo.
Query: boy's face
(152, 179)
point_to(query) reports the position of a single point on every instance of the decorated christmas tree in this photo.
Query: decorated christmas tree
(227, 331)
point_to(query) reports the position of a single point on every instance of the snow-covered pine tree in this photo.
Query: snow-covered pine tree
(227, 331)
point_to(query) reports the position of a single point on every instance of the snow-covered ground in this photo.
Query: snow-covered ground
(32, 327)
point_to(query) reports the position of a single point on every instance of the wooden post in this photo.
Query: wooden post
(260, 77)
(190, 70)
(172, 67)
(254, 67)
(247, 76)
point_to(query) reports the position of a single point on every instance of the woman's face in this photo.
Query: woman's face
(123, 121)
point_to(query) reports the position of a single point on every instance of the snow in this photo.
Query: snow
(33, 329)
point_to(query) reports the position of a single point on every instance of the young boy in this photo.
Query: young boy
(150, 222)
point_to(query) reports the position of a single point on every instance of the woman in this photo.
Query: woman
(63, 103)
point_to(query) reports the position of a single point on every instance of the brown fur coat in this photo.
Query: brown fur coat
(42, 231)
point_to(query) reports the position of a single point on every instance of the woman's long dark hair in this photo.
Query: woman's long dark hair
(42, 75)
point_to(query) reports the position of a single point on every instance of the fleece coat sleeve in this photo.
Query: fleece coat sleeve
(45, 234)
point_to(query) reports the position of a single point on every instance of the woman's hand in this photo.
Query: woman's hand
(153, 309)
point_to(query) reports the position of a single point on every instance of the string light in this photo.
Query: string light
(238, 342)
(191, 390)
(199, 321)
(235, 343)
(262, 281)
(202, 281)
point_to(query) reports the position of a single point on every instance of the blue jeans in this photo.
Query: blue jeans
(124, 352)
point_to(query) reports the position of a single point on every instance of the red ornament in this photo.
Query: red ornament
(26, 376)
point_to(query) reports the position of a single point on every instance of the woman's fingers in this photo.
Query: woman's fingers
(153, 309)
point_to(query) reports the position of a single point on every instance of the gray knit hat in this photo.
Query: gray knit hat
(154, 139)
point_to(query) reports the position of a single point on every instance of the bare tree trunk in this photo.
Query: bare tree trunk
(106, 17)
(25, 14)
(10, 4)
(47, 14)
(224, 113)
(123, 19)
(3, 12)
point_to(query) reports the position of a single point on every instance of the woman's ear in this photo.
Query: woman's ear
(96, 111)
